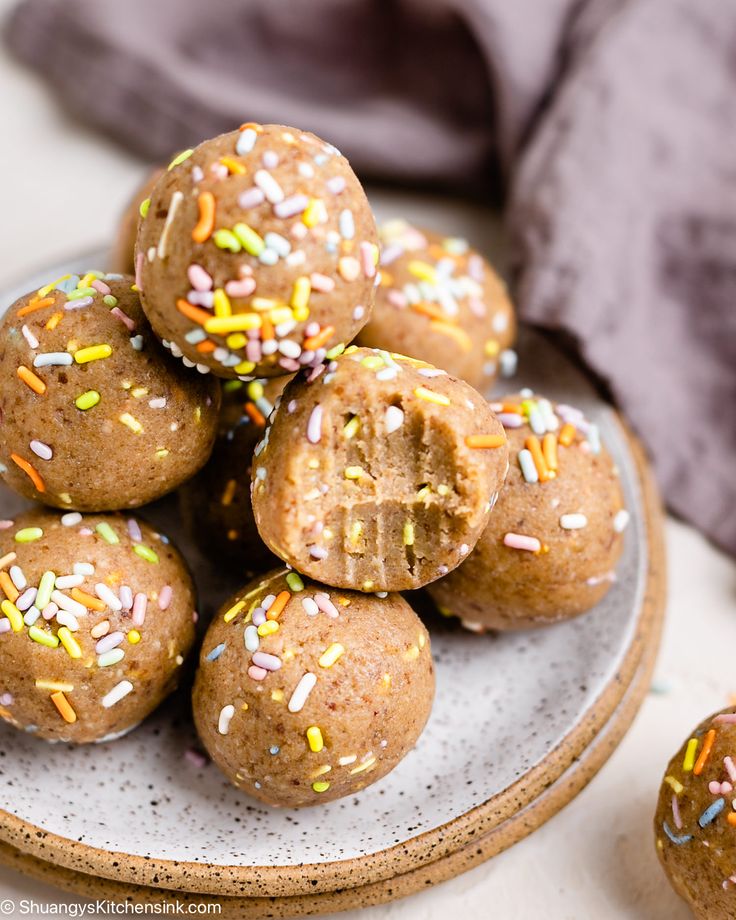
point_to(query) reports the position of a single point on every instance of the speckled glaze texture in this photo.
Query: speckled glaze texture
(695, 821)
(378, 472)
(440, 300)
(331, 691)
(94, 414)
(97, 620)
(258, 253)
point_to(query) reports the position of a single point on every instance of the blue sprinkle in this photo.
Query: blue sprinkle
(274, 750)
(164, 539)
(196, 336)
(712, 812)
(137, 342)
(686, 838)
(216, 652)
(68, 285)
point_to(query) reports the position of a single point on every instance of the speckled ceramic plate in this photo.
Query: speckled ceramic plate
(512, 714)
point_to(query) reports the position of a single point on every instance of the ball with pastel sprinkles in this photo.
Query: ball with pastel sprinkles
(695, 821)
(441, 301)
(305, 694)
(551, 546)
(258, 253)
(96, 620)
(94, 414)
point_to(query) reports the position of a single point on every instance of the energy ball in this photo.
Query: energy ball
(440, 300)
(122, 257)
(552, 543)
(305, 694)
(378, 472)
(94, 414)
(695, 823)
(216, 505)
(96, 620)
(258, 253)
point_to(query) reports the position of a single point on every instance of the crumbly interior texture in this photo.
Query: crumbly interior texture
(695, 820)
(216, 505)
(96, 620)
(551, 546)
(366, 479)
(306, 694)
(122, 256)
(94, 414)
(440, 300)
(258, 253)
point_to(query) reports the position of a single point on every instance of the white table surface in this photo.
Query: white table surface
(63, 187)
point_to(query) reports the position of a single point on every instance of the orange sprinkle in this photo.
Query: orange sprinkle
(535, 449)
(732, 818)
(255, 415)
(206, 347)
(195, 314)
(705, 752)
(430, 310)
(459, 335)
(30, 471)
(36, 305)
(53, 321)
(567, 434)
(64, 706)
(267, 332)
(90, 602)
(6, 583)
(549, 449)
(321, 338)
(229, 494)
(485, 440)
(206, 224)
(514, 408)
(251, 124)
(236, 168)
(31, 380)
(278, 605)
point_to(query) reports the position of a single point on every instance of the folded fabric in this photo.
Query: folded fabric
(608, 124)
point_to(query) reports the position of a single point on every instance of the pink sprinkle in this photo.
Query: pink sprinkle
(140, 605)
(6, 699)
(253, 351)
(475, 267)
(259, 616)
(101, 286)
(85, 532)
(195, 758)
(716, 788)
(398, 299)
(321, 283)
(289, 364)
(336, 184)
(164, 597)
(266, 661)
(100, 630)
(367, 254)
(242, 288)
(138, 270)
(199, 279)
(390, 253)
(314, 426)
(326, 606)
(520, 541)
(49, 611)
(124, 318)
(291, 206)
(477, 306)
(725, 718)
(257, 673)
(311, 329)
(251, 198)
(4, 525)
(510, 419)
(134, 530)
(730, 768)
(676, 812)
(201, 299)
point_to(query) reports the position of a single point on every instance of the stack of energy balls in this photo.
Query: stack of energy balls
(332, 475)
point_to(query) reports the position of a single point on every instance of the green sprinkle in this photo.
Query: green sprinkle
(42, 637)
(372, 362)
(28, 535)
(334, 352)
(146, 553)
(45, 587)
(107, 533)
(78, 293)
(110, 300)
(179, 158)
(226, 239)
(87, 400)
(248, 238)
(144, 206)
(229, 386)
(294, 582)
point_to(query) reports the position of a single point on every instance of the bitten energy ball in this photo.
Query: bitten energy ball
(216, 504)
(440, 300)
(96, 619)
(122, 257)
(305, 694)
(258, 253)
(552, 543)
(378, 472)
(695, 823)
(94, 414)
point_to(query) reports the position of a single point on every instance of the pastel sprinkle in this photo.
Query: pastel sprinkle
(28, 535)
(575, 521)
(301, 692)
(314, 425)
(225, 718)
(331, 655)
(118, 692)
(712, 812)
(689, 760)
(107, 533)
(92, 353)
(216, 652)
(294, 581)
(521, 541)
(87, 400)
(315, 739)
(64, 707)
(145, 552)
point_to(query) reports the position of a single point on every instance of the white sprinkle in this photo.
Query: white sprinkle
(246, 141)
(53, 359)
(289, 349)
(314, 426)
(347, 224)
(159, 402)
(108, 659)
(301, 692)
(310, 606)
(573, 521)
(64, 618)
(269, 186)
(83, 568)
(108, 597)
(64, 582)
(29, 337)
(108, 642)
(250, 637)
(176, 200)
(226, 716)
(620, 522)
(318, 552)
(346, 761)
(71, 519)
(290, 207)
(17, 577)
(41, 450)
(394, 419)
(431, 372)
(31, 615)
(67, 603)
(117, 693)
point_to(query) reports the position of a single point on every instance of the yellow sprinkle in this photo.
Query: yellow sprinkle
(238, 322)
(234, 166)
(42, 292)
(13, 614)
(676, 786)
(268, 628)
(491, 348)
(423, 270)
(386, 680)
(221, 303)
(368, 584)
(130, 422)
(320, 771)
(263, 304)
(315, 213)
(320, 786)
(281, 315)
(234, 611)
(422, 641)
(331, 655)
(409, 534)
(42, 637)
(443, 490)
(87, 280)
(162, 452)
(363, 766)
(69, 642)
(300, 294)
(57, 686)
(314, 737)
(244, 707)
(373, 362)
(236, 340)
(87, 400)
(134, 637)
(93, 353)
(53, 321)
(353, 472)
(356, 529)
(277, 695)
(689, 761)
(438, 398)
(411, 654)
(245, 367)
(139, 392)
